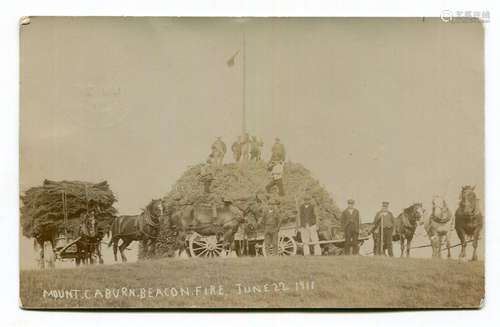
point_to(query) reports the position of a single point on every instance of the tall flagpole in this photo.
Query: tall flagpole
(244, 123)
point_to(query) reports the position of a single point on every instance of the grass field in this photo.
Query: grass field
(281, 282)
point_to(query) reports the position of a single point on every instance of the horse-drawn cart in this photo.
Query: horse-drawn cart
(289, 242)
(81, 250)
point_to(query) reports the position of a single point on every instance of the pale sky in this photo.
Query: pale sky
(376, 109)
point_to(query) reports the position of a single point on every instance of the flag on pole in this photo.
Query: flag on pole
(232, 60)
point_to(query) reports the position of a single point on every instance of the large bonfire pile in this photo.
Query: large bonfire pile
(242, 181)
(44, 207)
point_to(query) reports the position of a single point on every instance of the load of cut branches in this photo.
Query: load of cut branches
(241, 182)
(58, 206)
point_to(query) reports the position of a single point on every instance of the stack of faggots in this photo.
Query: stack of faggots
(241, 181)
(46, 206)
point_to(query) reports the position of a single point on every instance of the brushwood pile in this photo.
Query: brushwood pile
(241, 181)
(42, 208)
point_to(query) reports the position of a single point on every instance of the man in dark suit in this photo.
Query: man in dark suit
(309, 226)
(350, 225)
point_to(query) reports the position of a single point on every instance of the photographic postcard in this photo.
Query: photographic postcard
(251, 163)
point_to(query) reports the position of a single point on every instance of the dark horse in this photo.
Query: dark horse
(144, 228)
(406, 224)
(468, 220)
(206, 235)
(43, 236)
(89, 241)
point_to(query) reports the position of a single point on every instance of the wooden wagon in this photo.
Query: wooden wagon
(289, 242)
(66, 249)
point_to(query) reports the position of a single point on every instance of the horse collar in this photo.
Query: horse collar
(441, 220)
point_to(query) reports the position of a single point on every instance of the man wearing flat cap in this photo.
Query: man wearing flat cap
(383, 228)
(309, 226)
(350, 225)
(271, 219)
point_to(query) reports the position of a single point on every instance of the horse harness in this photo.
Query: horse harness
(148, 220)
(444, 218)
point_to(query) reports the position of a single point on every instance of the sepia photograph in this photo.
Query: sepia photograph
(251, 163)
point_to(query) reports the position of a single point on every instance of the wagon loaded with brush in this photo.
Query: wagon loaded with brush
(52, 214)
(242, 182)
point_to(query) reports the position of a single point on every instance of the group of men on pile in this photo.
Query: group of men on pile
(245, 148)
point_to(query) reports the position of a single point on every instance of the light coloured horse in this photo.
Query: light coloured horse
(438, 226)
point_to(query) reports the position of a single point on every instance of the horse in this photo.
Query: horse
(438, 226)
(144, 227)
(44, 237)
(89, 242)
(406, 224)
(468, 220)
(200, 219)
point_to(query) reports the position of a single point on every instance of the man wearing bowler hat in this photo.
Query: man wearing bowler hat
(350, 225)
(383, 223)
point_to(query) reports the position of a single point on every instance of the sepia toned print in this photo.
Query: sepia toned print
(251, 163)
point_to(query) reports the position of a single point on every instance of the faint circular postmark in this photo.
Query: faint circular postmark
(95, 106)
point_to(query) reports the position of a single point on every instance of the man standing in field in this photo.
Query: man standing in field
(384, 221)
(271, 219)
(309, 226)
(350, 225)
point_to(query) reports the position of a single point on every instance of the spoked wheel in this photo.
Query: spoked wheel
(286, 246)
(206, 247)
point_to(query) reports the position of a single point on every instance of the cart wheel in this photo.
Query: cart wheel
(286, 246)
(206, 247)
